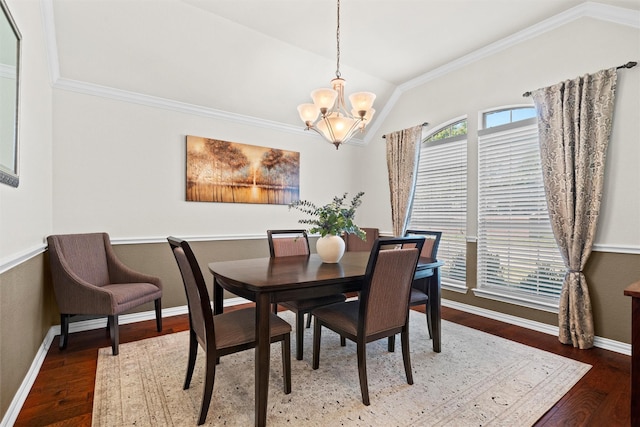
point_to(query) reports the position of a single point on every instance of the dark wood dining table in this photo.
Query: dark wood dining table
(272, 280)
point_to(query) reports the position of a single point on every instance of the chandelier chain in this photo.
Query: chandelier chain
(338, 43)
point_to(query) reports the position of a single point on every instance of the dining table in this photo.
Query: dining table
(271, 280)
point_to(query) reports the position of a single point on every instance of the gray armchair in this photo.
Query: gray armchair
(89, 279)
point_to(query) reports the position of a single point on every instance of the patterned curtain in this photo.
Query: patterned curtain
(574, 124)
(403, 153)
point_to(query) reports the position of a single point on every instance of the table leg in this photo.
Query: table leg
(434, 308)
(263, 347)
(217, 297)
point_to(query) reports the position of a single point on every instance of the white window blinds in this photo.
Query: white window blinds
(518, 258)
(440, 203)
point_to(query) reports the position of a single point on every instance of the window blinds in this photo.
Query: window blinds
(440, 203)
(517, 253)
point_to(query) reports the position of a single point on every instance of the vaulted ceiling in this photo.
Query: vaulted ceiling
(261, 58)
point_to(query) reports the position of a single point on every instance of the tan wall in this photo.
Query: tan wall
(27, 311)
(28, 308)
(607, 275)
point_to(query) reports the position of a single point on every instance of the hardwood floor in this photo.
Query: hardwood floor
(62, 394)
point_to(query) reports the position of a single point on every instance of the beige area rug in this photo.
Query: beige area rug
(477, 380)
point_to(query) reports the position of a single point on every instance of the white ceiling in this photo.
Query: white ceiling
(261, 58)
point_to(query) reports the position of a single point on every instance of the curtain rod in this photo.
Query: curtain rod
(629, 64)
(423, 125)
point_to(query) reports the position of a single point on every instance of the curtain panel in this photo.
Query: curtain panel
(574, 125)
(403, 153)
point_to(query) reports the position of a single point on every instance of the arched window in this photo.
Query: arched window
(440, 201)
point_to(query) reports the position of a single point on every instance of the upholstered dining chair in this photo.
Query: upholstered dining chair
(290, 243)
(222, 334)
(89, 279)
(381, 310)
(353, 243)
(420, 286)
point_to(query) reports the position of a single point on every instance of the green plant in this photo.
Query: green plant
(333, 218)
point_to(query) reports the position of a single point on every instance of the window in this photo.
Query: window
(454, 129)
(440, 200)
(518, 259)
(509, 115)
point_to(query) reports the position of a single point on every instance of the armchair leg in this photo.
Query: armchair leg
(391, 345)
(64, 331)
(115, 334)
(158, 304)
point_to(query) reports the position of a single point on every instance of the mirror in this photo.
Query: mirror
(9, 90)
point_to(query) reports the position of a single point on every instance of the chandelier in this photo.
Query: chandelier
(328, 115)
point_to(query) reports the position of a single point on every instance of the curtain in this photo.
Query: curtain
(403, 153)
(574, 124)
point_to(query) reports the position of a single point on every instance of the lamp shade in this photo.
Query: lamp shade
(324, 98)
(362, 101)
(336, 128)
(308, 112)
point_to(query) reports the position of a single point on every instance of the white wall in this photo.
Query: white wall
(582, 46)
(25, 212)
(120, 167)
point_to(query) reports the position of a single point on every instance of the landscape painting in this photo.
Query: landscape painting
(230, 172)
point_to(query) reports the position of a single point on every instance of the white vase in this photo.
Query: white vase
(330, 248)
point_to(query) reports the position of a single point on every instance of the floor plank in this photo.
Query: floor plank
(62, 394)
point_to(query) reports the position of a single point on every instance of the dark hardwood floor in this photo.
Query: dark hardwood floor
(62, 394)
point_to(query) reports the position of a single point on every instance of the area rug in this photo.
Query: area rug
(477, 380)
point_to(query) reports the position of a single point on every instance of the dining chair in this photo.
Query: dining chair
(381, 310)
(291, 243)
(420, 286)
(222, 334)
(88, 278)
(353, 243)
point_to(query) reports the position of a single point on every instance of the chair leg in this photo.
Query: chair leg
(316, 344)
(158, 304)
(391, 344)
(191, 363)
(299, 334)
(406, 357)
(115, 333)
(274, 307)
(362, 371)
(343, 341)
(286, 363)
(108, 330)
(64, 331)
(209, 379)
(428, 311)
(308, 320)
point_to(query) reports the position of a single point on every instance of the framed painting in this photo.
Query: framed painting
(230, 172)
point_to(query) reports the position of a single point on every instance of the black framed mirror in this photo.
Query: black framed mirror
(9, 96)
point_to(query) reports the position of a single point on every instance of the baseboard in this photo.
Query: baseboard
(86, 325)
(604, 343)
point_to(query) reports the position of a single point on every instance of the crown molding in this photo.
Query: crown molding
(618, 15)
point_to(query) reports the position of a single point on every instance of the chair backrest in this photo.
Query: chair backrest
(384, 299)
(82, 255)
(356, 244)
(288, 243)
(431, 243)
(200, 312)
